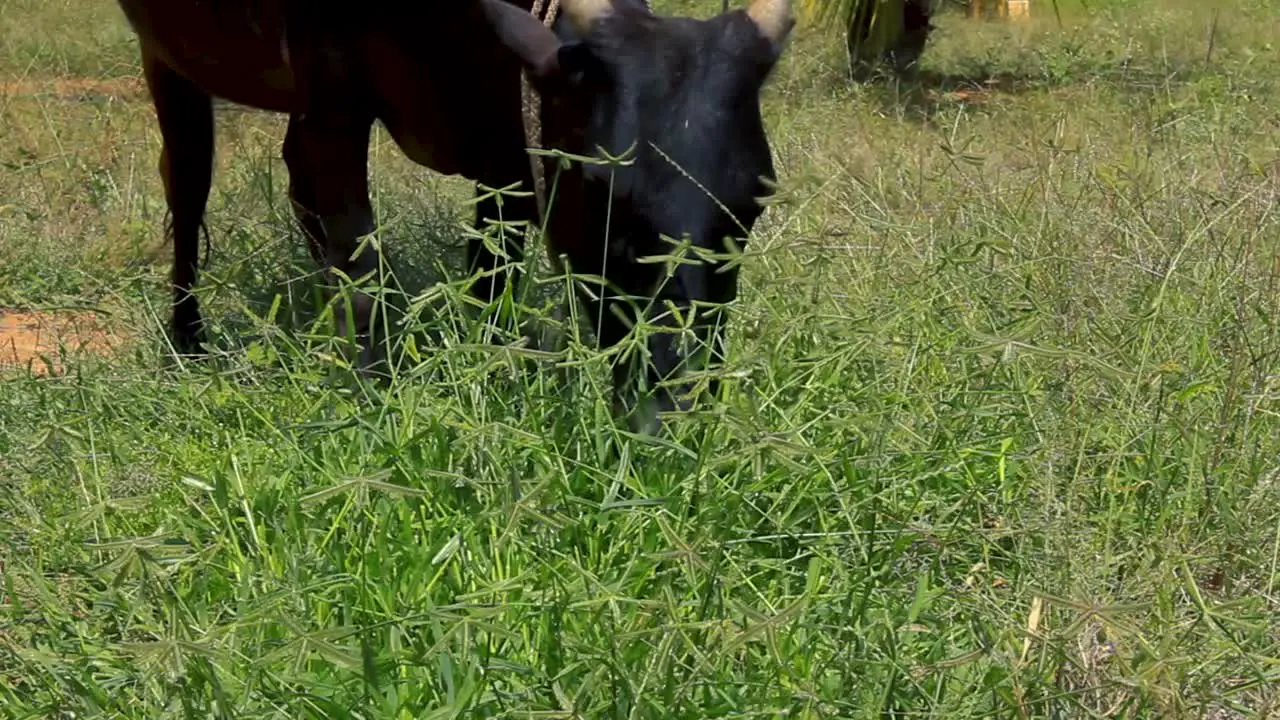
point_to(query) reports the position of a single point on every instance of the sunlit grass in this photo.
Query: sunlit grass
(999, 439)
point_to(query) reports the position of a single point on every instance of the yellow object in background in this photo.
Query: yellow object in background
(1014, 9)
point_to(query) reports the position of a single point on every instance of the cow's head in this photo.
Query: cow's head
(682, 97)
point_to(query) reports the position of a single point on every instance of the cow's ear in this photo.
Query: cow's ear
(526, 36)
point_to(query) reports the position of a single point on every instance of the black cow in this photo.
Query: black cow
(682, 95)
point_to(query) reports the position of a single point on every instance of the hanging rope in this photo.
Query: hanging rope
(531, 107)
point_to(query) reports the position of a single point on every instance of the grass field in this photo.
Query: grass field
(1001, 437)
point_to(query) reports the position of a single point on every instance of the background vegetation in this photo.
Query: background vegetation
(1001, 438)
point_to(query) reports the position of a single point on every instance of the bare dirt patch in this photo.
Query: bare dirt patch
(27, 339)
(966, 95)
(76, 88)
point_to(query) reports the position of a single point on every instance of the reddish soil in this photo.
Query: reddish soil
(74, 88)
(25, 336)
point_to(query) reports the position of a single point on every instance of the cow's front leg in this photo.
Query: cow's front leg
(327, 157)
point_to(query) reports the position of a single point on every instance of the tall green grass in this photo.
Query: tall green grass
(999, 436)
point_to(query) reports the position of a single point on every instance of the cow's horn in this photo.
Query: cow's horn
(773, 17)
(582, 12)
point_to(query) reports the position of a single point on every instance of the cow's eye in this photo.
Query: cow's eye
(580, 65)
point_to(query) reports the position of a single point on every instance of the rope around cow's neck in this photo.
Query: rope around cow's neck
(531, 106)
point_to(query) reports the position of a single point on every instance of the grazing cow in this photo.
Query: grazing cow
(444, 78)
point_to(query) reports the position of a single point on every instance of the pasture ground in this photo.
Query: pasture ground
(1001, 437)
